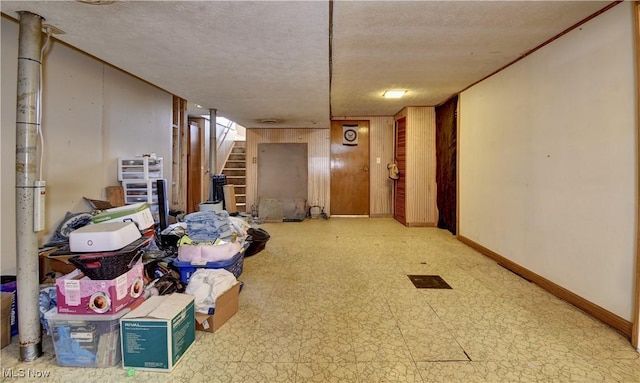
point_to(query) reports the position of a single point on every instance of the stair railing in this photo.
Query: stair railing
(228, 127)
(225, 145)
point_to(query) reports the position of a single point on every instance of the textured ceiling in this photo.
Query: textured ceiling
(301, 62)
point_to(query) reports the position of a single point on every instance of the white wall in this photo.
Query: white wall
(92, 114)
(547, 170)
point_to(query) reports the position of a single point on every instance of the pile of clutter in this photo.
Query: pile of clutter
(128, 271)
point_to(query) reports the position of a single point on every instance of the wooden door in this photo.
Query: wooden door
(350, 168)
(400, 185)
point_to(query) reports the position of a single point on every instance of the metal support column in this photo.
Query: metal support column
(27, 125)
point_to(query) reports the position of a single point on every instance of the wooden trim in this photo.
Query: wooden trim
(635, 341)
(618, 323)
(175, 154)
(458, 119)
(184, 126)
(179, 154)
(421, 224)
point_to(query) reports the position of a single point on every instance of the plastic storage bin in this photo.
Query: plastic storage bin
(140, 191)
(233, 265)
(8, 284)
(139, 168)
(86, 340)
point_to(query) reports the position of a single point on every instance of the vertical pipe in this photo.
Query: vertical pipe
(213, 150)
(29, 62)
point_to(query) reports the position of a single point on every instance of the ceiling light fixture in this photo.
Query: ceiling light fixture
(394, 93)
(198, 106)
(269, 121)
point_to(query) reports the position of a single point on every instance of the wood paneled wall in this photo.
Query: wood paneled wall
(381, 146)
(421, 166)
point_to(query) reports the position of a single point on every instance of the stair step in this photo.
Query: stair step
(235, 170)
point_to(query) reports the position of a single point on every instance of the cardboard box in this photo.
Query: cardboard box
(78, 294)
(6, 301)
(58, 263)
(156, 335)
(226, 307)
(137, 212)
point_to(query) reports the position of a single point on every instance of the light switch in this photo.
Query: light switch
(377, 160)
(254, 160)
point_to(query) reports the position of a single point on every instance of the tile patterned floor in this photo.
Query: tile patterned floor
(330, 301)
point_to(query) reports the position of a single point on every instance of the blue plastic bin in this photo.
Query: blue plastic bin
(233, 265)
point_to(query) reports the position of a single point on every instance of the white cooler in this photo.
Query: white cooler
(107, 236)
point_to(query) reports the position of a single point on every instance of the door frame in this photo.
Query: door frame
(635, 331)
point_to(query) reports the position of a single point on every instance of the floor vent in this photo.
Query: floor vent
(428, 282)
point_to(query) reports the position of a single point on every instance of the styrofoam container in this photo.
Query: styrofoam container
(137, 212)
(107, 236)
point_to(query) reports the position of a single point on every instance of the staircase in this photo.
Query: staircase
(235, 171)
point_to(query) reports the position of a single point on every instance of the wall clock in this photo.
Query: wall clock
(350, 134)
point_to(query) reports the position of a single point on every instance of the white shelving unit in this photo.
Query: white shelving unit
(138, 176)
(139, 168)
(140, 191)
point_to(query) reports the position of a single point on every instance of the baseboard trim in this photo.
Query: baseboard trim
(621, 325)
(420, 224)
(381, 216)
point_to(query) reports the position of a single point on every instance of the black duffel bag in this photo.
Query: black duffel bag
(257, 239)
